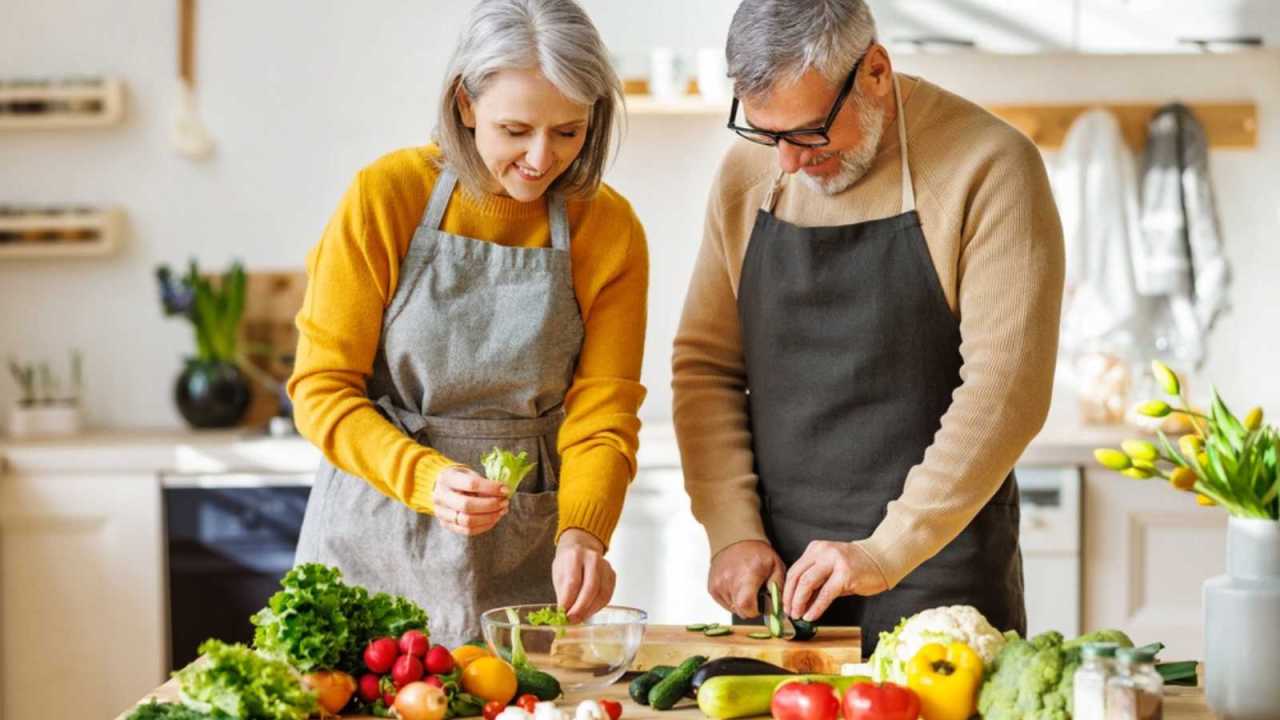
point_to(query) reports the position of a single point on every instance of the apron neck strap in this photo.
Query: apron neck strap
(448, 180)
(559, 216)
(908, 189)
(440, 195)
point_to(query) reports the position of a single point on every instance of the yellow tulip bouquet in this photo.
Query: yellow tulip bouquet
(1225, 461)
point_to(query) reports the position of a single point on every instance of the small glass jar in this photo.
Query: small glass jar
(1090, 681)
(1136, 691)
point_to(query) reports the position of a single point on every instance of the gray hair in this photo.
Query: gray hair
(554, 37)
(772, 41)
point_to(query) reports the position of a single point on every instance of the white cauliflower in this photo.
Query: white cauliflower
(957, 623)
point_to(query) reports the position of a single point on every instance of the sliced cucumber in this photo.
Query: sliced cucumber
(774, 621)
(759, 635)
(696, 627)
(717, 631)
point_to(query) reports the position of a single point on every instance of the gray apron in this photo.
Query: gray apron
(852, 356)
(478, 348)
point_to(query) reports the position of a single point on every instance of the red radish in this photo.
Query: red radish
(389, 699)
(369, 690)
(439, 661)
(433, 681)
(380, 655)
(414, 642)
(406, 670)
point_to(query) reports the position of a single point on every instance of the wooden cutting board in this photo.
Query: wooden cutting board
(672, 644)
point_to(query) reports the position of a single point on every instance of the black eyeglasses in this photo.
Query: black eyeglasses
(804, 137)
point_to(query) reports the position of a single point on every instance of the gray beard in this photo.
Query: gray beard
(855, 162)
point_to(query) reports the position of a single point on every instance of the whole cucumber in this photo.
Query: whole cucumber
(640, 687)
(670, 689)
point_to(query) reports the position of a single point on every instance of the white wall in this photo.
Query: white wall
(299, 94)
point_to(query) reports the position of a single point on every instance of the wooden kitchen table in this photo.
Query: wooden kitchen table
(1180, 703)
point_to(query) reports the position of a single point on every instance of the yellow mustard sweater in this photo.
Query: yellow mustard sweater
(352, 276)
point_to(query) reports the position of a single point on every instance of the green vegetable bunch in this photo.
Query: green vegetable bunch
(1226, 461)
(167, 711)
(214, 310)
(549, 616)
(1033, 679)
(234, 681)
(506, 467)
(318, 622)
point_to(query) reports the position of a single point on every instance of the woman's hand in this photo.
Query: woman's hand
(468, 503)
(584, 580)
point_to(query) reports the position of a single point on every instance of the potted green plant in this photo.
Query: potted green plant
(1232, 463)
(45, 407)
(212, 390)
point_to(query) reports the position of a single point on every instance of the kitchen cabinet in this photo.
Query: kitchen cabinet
(1148, 551)
(991, 25)
(1156, 26)
(81, 592)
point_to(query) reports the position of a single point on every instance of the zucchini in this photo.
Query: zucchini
(740, 696)
(735, 666)
(532, 681)
(640, 687)
(670, 689)
(717, 631)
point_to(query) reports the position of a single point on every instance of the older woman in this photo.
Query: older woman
(485, 290)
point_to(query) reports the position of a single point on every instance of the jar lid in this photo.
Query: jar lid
(1135, 655)
(1099, 650)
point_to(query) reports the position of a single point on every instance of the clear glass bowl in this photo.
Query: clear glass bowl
(589, 656)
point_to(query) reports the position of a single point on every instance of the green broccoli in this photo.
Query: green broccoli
(1033, 679)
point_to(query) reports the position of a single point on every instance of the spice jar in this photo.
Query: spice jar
(1090, 681)
(1136, 691)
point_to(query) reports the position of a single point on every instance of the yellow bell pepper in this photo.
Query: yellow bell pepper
(947, 679)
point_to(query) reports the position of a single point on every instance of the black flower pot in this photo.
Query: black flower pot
(212, 394)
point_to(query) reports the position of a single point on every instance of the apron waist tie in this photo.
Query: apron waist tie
(414, 424)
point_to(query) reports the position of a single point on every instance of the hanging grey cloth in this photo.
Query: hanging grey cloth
(1181, 265)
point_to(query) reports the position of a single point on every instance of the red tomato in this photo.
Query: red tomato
(527, 702)
(493, 709)
(805, 701)
(613, 707)
(868, 701)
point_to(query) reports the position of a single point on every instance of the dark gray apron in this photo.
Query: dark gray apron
(852, 355)
(478, 349)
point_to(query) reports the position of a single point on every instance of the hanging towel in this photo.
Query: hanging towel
(1180, 263)
(1095, 184)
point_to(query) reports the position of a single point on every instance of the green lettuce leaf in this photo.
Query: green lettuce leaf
(234, 681)
(507, 468)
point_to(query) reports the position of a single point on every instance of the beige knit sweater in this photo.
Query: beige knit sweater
(994, 236)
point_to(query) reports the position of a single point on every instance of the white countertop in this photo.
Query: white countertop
(233, 451)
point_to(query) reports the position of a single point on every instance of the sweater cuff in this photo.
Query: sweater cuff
(593, 486)
(419, 498)
(891, 554)
(725, 527)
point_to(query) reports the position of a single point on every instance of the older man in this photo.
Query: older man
(869, 337)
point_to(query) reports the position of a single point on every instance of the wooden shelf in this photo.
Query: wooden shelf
(682, 105)
(66, 105)
(67, 234)
(1227, 125)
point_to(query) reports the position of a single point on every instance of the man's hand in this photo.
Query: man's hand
(826, 571)
(739, 571)
(584, 580)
